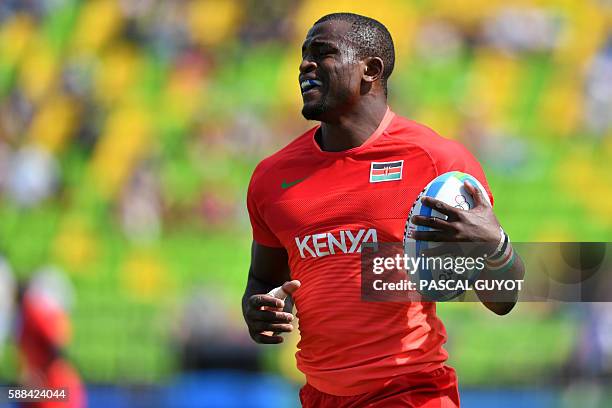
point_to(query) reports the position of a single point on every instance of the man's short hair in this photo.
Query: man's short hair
(370, 39)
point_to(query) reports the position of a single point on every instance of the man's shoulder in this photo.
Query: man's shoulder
(415, 135)
(444, 154)
(296, 150)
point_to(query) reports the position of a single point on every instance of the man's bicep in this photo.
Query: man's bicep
(269, 264)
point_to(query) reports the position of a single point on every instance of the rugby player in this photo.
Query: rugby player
(313, 203)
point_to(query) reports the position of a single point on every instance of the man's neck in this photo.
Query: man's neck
(353, 128)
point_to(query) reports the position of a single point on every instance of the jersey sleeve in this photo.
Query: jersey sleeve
(262, 234)
(458, 158)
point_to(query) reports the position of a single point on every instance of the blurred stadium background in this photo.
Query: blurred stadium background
(129, 130)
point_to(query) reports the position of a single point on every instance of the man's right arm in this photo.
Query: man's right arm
(263, 312)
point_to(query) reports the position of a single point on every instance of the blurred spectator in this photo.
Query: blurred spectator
(495, 149)
(215, 209)
(5, 162)
(518, 30)
(43, 333)
(8, 293)
(598, 92)
(15, 115)
(141, 206)
(247, 135)
(33, 176)
(51, 283)
(592, 358)
(266, 20)
(438, 40)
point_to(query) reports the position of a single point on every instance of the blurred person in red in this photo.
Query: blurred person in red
(43, 331)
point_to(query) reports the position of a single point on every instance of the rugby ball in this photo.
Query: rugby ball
(448, 188)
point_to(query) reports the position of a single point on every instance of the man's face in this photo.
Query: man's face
(330, 73)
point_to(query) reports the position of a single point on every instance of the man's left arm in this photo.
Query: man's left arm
(479, 225)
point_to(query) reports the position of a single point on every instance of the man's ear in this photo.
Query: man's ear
(373, 69)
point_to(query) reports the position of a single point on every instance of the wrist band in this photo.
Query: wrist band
(502, 259)
(500, 247)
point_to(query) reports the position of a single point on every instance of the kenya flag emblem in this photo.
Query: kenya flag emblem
(386, 171)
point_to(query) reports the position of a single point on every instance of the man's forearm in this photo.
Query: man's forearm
(502, 301)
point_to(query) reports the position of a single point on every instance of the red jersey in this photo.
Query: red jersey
(321, 206)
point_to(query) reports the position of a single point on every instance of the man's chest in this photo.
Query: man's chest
(336, 206)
